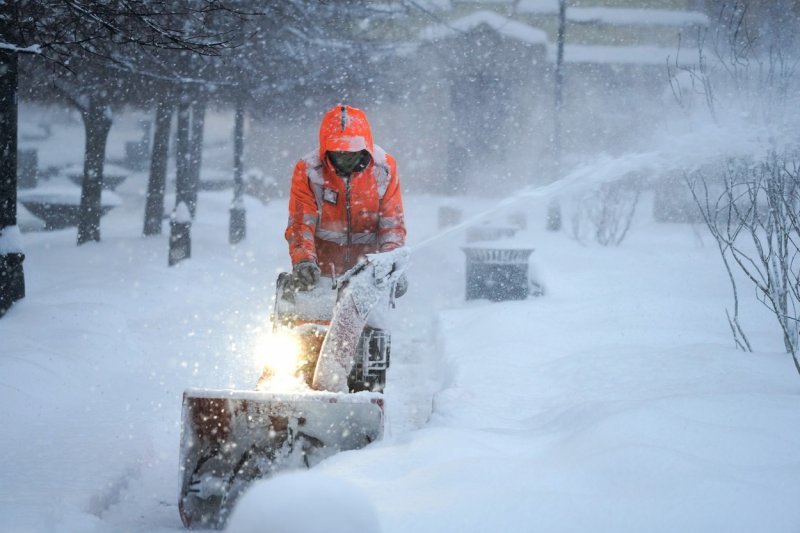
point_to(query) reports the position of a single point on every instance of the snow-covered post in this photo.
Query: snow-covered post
(180, 240)
(559, 79)
(554, 209)
(180, 235)
(12, 280)
(238, 227)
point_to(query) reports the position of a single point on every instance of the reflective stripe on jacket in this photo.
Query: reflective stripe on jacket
(333, 220)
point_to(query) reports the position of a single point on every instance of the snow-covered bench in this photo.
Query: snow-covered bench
(113, 175)
(59, 205)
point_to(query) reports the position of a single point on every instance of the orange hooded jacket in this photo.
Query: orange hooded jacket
(335, 220)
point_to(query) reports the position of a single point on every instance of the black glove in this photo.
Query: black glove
(306, 275)
(400, 286)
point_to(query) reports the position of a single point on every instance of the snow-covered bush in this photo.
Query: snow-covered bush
(605, 213)
(260, 185)
(746, 76)
(753, 212)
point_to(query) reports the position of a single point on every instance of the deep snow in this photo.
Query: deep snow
(616, 402)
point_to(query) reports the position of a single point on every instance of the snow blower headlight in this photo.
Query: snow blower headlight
(278, 352)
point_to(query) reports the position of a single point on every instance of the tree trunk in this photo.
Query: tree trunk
(12, 279)
(238, 222)
(154, 206)
(97, 123)
(196, 151)
(183, 178)
(8, 140)
(180, 241)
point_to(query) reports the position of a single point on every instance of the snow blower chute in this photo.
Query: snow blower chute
(324, 400)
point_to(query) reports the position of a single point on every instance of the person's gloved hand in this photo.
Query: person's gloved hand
(306, 275)
(401, 286)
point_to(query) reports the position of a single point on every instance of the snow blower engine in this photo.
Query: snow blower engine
(319, 393)
(306, 316)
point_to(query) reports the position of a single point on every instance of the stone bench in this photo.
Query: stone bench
(59, 207)
(113, 175)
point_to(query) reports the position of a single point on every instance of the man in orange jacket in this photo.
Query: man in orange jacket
(344, 201)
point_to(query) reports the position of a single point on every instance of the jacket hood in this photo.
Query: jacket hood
(345, 129)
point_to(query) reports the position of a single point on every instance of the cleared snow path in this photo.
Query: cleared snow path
(94, 361)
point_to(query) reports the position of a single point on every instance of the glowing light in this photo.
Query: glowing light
(277, 351)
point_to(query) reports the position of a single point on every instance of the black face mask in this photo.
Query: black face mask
(347, 163)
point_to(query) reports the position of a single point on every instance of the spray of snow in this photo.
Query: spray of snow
(672, 153)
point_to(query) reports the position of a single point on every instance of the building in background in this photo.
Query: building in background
(466, 100)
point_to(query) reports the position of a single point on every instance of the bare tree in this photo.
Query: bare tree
(754, 215)
(87, 49)
(12, 277)
(750, 204)
(76, 36)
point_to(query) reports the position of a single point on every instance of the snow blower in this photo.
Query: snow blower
(319, 394)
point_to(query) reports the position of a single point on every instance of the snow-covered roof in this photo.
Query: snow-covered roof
(537, 6)
(499, 23)
(633, 55)
(616, 15)
(434, 5)
(636, 17)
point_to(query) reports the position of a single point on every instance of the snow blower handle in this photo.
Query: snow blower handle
(341, 281)
(387, 268)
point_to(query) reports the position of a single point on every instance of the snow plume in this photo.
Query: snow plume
(713, 111)
(670, 153)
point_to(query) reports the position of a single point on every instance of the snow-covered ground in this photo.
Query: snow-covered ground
(615, 402)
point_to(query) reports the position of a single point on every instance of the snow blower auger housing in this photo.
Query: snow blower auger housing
(231, 438)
